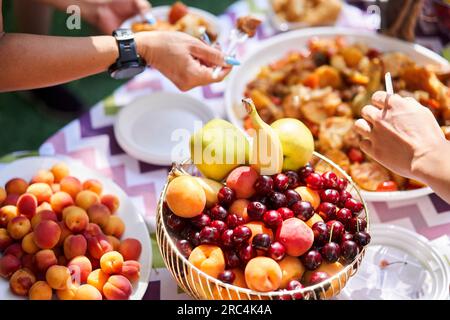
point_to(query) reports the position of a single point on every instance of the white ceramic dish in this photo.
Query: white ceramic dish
(416, 271)
(134, 222)
(150, 127)
(276, 47)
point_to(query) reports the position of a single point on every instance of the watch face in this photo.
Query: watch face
(124, 34)
(128, 72)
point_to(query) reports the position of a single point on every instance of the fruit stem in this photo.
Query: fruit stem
(331, 233)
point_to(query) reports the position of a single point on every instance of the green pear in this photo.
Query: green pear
(218, 148)
(297, 142)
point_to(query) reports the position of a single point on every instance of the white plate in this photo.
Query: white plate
(144, 128)
(134, 222)
(276, 47)
(424, 276)
(161, 13)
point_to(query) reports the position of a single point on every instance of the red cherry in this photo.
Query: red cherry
(303, 210)
(231, 258)
(292, 197)
(201, 220)
(294, 180)
(227, 276)
(314, 181)
(218, 212)
(276, 251)
(272, 218)
(256, 210)
(336, 229)
(304, 172)
(318, 277)
(330, 180)
(330, 195)
(246, 253)
(331, 252)
(184, 247)
(241, 234)
(327, 211)
(349, 250)
(175, 223)
(355, 155)
(261, 241)
(227, 238)
(281, 182)
(342, 184)
(264, 185)
(233, 220)
(353, 205)
(219, 225)
(362, 238)
(209, 235)
(312, 260)
(295, 285)
(286, 213)
(357, 224)
(277, 200)
(226, 196)
(344, 196)
(346, 236)
(344, 215)
(321, 235)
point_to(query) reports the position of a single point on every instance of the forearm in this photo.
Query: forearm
(31, 61)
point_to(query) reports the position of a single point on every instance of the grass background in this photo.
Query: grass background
(24, 123)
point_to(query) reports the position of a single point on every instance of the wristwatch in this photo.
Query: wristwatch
(129, 62)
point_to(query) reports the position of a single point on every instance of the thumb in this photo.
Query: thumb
(209, 55)
(142, 6)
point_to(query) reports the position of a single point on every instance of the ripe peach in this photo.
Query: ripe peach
(131, 270)
(117, 288)
(111, 262)
(26, 205)
(98, 246)
(65, 232)
(92, 230)
(263, 274)
(71, 185)
(99, 214)
(111, 201)
(241, 180)
(296, 236)
(115, 227)
(97, 279)
(87, 292)
(44, 206)
(21, 282)
(44, 259)
(292, 269)
(42, 191)
(18, 227)
(60, 171)
(41, 216)
(15, 249)
(16, 185)
(28, 244)
(5, 239)
(58, 277)
(75, 245)
(209, 259)
(2, 195)
(68, 293)
(7, 213)
(60, 200)
(56, 187)
(259, 227)
(114, 242)
(239, 208)
(86, 199)
(130, 249)
(75, 218)
(93, 185)
(185, 197)
(43, 176)
(315, 218)
(8, 265)
(11, 199)
(310, 195)
(40, 291)
(47, 234)
(80, 267)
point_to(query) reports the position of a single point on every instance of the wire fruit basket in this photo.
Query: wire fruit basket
(200, 285)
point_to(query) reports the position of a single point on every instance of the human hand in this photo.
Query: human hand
(183, 59)
(402, 136)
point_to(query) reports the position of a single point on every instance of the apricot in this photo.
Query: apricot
(65, 232)
(185, 197)
(18, 227)
(209, 259)
(44, 259)
(21, 282)
(114, 242)
(58, 277)
(111, 262)
(7, 213)
(8, 265)
(26, 205)
(40, 290)
(5, 239)
(111, 201)
(258, 227)
(43, 176)
(28, 244)
(14, 249)
(115, 227)
(97, 279)
(60, 200)
(2, 195)
(11, 199)
(310, 195)
(131, 270)
(41, 191)
(44, 206)
(296, 236)
(75, 245)
(47, 234)
(242, 181)
(331, 269)
(75, 218)
(71, 185)
(93, 185)
(130, 249)
(56, 187)
(292, 269)
(98, 246)
(92, 230)
(263, 274)
(99, 214)
(86, 199)
(17, 186)
(220, 293)
(117, 288)
(41, 216)
(80, 267)
(60, 171)
(239, 208)
(68, 293)
(315, 218)
(211, 188)
(87, 292)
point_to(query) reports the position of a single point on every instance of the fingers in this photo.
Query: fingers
(142, 5)
(362, 127)
(379, 100)
(208, 54)
(371, 113)
(366, 146)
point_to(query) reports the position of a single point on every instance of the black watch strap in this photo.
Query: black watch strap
(127, 47)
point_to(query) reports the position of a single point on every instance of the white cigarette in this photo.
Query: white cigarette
(388, 83)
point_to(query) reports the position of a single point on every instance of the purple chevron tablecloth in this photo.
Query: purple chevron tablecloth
(91, 140)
